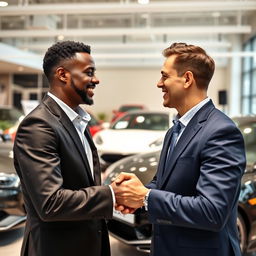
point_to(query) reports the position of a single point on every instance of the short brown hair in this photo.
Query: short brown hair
(192, 58)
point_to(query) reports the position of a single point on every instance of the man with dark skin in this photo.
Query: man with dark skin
(58, 165)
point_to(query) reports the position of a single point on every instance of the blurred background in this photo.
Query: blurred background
(127, 38)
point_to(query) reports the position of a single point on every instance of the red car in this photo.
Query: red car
(125, 108)
(94, 125)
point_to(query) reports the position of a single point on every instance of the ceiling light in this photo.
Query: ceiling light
(3, 4)
(216, 14)
(20, 69)
(60, 37)
(143, 1)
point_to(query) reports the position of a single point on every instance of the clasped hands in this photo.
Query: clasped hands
(129, 192)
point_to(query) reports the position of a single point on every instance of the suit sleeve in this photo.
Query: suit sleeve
(152, 184)
(37, 163)
(222, 165)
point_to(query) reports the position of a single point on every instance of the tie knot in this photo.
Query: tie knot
(176, 127)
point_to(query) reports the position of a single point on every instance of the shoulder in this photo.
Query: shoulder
(218, 120)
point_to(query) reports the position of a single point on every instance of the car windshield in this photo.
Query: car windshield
(157, 122)
(129, 108)
(249, 133)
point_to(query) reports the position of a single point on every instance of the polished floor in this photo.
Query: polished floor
(10, 243)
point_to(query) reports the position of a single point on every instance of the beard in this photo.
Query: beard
(83, 95)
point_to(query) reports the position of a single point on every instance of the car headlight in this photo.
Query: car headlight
(98, 140)
(9, 181)
(156, 143)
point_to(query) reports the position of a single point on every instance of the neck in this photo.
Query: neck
(189, 104)
(62, 97)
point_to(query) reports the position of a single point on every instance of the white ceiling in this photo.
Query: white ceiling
(125, 33)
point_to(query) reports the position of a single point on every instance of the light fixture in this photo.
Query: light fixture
(216, 14)
(143, 1)
(60, 37)
(20, 68)
(3, 4)
(247, 130)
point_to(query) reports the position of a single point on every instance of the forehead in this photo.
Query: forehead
(168, 64)
(83, 60)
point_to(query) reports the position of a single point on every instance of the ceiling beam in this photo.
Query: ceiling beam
(100, 32)
(121, 8)
(131, 46)
(158, 56)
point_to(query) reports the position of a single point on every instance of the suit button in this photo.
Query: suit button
(99, 231)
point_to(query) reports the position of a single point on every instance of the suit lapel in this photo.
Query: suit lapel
(189, 133)
(95, 158)
(163, 154)
(69, 127)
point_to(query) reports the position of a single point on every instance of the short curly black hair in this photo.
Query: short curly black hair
(60, 52)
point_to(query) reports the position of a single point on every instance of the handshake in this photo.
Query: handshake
(129, 192)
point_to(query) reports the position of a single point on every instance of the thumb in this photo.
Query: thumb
(123, 176)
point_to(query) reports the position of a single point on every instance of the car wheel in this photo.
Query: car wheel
(241, 232)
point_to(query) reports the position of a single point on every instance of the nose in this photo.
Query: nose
(95, 80)
(160, 83)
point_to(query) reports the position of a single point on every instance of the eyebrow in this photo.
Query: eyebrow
(92, 68)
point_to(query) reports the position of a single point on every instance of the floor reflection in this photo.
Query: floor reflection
(10, 244)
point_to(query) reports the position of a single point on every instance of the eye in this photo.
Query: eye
(89, 73)
(164, 76)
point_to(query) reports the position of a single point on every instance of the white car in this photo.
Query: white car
(135, 132)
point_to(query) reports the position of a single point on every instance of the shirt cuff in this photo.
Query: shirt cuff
(113, 196)
(145, 201)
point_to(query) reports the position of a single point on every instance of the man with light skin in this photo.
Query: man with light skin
(192, 200)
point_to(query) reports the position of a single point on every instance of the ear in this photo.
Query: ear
(62, 74)
(189, 79)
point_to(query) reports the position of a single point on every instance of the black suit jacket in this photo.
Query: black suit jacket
(65, 206)
(193, 201)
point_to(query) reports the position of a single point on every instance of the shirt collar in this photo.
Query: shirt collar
(185, 119)
(79, 113)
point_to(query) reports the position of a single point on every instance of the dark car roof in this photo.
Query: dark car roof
(240, 120)
(143, 111)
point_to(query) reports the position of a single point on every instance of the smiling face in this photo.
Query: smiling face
(80, 80)
(172, 85)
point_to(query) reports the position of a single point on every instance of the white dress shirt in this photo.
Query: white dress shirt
(80, 119)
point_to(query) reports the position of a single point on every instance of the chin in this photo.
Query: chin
(166, 104)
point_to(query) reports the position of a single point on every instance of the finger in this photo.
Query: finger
(132, 210)
(125, 211)
(119, 207)
(123, 176)
(129, 210)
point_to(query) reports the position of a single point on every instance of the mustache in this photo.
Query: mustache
(91, 85)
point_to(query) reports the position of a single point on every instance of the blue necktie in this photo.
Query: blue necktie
(175, 134)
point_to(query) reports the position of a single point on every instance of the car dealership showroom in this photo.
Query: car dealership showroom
(128, 119)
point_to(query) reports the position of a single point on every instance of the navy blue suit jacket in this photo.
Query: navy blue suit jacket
(193, 203)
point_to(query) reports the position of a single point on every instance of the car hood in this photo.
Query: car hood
(127, 141)
(144, 166)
